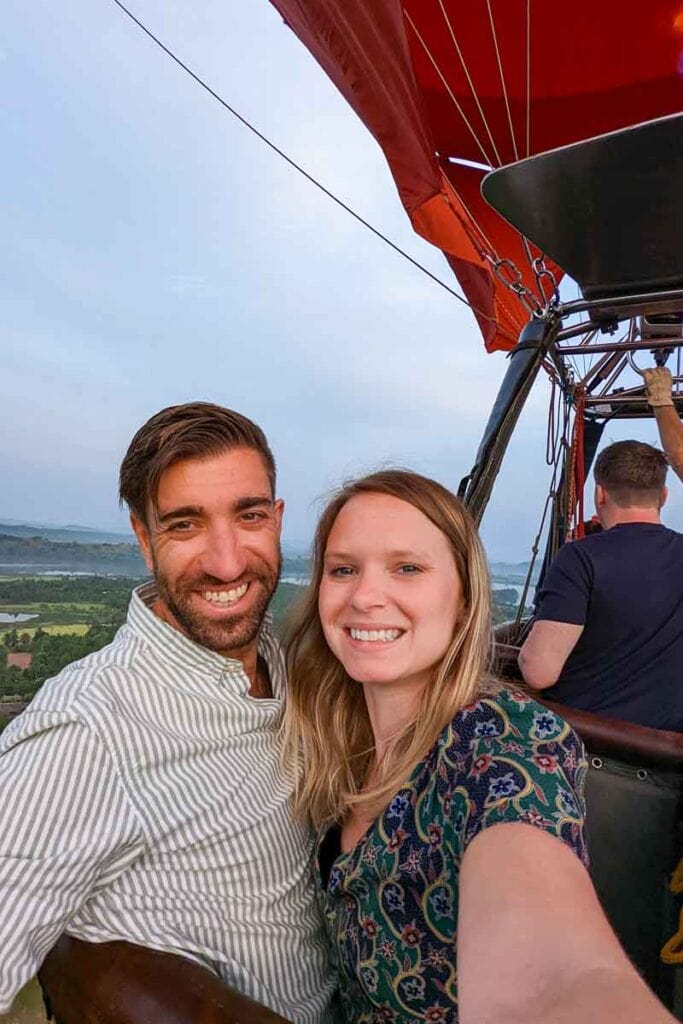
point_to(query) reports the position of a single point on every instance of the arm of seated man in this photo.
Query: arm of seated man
(560, 617)
(546, 650)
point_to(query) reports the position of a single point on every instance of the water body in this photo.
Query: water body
(34, 569)
(20, 617)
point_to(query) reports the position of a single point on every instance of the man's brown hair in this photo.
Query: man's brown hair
(633, 473)
(195, 430)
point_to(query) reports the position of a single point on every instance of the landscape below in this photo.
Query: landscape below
(64, 593)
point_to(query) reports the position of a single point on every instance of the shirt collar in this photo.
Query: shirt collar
(171, 645)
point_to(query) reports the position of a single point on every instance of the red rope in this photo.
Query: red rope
(576, 471)
(580, 466)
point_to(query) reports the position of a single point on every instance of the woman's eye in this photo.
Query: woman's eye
(409, 569)
(341, 570)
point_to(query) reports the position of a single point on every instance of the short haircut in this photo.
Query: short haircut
(195, 430)
(633, 473)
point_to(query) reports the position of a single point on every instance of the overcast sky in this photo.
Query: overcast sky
(155, 252)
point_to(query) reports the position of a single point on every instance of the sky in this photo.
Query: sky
(156, 252)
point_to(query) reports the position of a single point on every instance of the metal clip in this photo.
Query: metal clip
(509, 274)
(543, 274)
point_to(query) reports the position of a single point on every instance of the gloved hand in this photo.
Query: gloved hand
(658, 385)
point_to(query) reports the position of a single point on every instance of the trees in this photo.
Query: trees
(11, 640)
(99, 601)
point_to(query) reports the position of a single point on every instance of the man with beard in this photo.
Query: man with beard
(142, 798)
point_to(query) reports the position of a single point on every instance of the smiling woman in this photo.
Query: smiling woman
(393, 551)
(450, 809)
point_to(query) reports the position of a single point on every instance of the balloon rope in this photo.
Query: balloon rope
(502, 78)
(576, 473)
(488, 246)
(487, 251)
(528, 77)
(448, 89)
(475, 95)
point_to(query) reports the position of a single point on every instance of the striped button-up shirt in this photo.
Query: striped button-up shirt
(141, 799)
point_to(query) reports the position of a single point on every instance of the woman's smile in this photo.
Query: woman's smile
(374, 634)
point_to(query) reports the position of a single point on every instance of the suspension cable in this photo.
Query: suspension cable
(502, 78)
(447, 87)
(523, 294)
(528, 77)
(299, 168)
(560, 445)
(470, 82)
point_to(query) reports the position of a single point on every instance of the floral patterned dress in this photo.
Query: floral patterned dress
(391, 904)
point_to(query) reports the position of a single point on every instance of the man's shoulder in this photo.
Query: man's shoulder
(576, 554)
(634, 538)
(68, 698)
(593, 547)
(90, 678)
(674, 537)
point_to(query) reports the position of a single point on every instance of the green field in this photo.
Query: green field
(28, 1007)
(74, 615)
(56, 629)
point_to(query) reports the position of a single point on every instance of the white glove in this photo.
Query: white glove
(658, 385)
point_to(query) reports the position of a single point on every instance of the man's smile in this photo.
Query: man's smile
(226, 597)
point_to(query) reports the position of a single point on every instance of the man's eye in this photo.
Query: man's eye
(182, 526)
(254, 517)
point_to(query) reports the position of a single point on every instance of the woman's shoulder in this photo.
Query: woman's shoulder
(511, 719)
(506, 758)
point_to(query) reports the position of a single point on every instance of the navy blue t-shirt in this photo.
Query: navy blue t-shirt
(625, 586)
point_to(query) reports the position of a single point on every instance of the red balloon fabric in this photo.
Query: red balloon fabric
(444, 85)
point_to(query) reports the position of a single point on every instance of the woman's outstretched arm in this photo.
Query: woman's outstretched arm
(533, 942)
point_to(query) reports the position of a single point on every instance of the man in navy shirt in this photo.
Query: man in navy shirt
(608, 631)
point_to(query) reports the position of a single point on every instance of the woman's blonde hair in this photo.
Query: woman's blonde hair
(328, 740)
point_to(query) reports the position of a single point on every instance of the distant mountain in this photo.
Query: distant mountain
(34, 555)
(61, 534)
(40, 555)
(514, 572)
(83, 548)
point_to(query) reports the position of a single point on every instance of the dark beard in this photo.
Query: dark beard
(231, 633)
